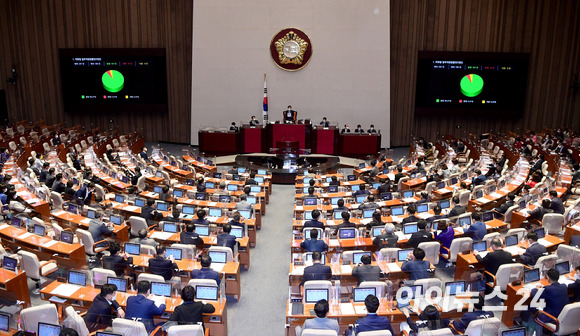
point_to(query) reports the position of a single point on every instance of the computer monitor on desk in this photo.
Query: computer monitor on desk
(206, 293)
(169, 227)
(47, 329)
(313, 295)
(563, 267)
(188, 210)
(175, 252)
(387, 196)
(455, 287)
(140, 202)
(462, 221)
(480, 246)
(215, 212)
(162, 206)
(200, 196)
(132, 248)
(91, 213)
(541, 232)
(487, 216)
(225, 198)
(161, 289)
(237, 231)
(402, 254)
(397, 211)
(310, 200)
(351, 178)
(511, 240)
(16, 222)
(334, 200)
(177, 193)
(408, 193)
(4, 322)
(39, 230)
(410, 228)
(423, 207)
(337, 215)
(368, 213)
(119, 198)
(332, 189)
(158, 189)
(202, 230)
(66, 237)
(116, 219)
(531, 275)
(218, 257)
(347, 233)
(360, 294)
(77, 278)
(121, 283)
(358, 255)
(445, 204)
(9, 263)
(209, 185)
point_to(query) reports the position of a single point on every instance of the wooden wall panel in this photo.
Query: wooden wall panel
(548, 30)
(32, 31)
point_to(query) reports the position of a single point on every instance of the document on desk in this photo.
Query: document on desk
(333, 243)
(24, 235)
(86, 221)
(495, 195)
(565, 280)
(218, 267)
(212, 204)
(346, 269)
(131, 208)
(515, 250)
(544, 242)
(59, 213)
(346, 309)
(459, 229)
(397, 219)
(161, 235)
(366, 221)
(424, 215)
(298, 270)
(49, 243)
(531, 286)
(3, 226)
(393, 267)
(482, 200)
(360, 310)
(409, 200)
(298, 207)
(65, 290)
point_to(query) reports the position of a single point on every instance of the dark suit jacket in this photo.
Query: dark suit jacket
(383, 188)
(575, 288)
(398, 177)
(532, 254)
(503, 208)
(410, 219)
(190, 238)
(135, 178)
(84, 195)
(344, 225)
(100, 313)
(539, 212)
(116, 263)
(555, 296)
(417, 269)
(43, 175)
(58, 186)
(557, 205)
(226, 239)
(456, 211)
(366, 273)
(385, 240)
(373, 322)
(191, 312)
(478, 180)
(493, 260)
(467, 317)
(49, 180)
(419, 237)
(251, 181)
(313, 224)
(147, 213)
(316, 272)
(314, 245)
(162, 266)
(206, 273)
(140, 307)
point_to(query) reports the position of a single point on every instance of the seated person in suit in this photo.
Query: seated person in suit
(85, 193)
(422, 235)
(200, 220)
(254, 121)
(411, 210)
(555, 296)
(575, 286)
(317, 271)
(372, 321)
(97, 229)
(58, 186)
(539, 212)
(251, 180)
(457, 208)
(385, 186)
(324, 122)
(436, 214)
(148, 211)
(136, 176)
(103, 309)
(189, 236)
(225, 238)
(44, 172)
(359, 129)
(493, 260)
(69, 191)
(534, 251)
(143, 239)
(320, 322)
(556, 203)
(237, 220)
(416, 266)
(479, 179)
(190, 311)
(346, 223)
(205, 272)
(165, 195)
(376, 220)
(508, 203)
(314, 222)
(334, 181)
(429, 319)
(424, 198)
(289, 115)
(445, 236)
(369, 204)
(50, 178)
(233, 127)
(310, 193)
(161, 266)
(387, 238)
(345, 129)
(372, 129)
(243, 204)
(476, 314)
(143, 154)
(314, 244)
(340, 206)
(116, 261)
(477, 230)
(365, 271)
(142, 308)
(200, 184)
(362, 191)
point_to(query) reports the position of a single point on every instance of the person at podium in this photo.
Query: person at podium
(345, 129)
(324, 122)
(254, 121)
(289, 115)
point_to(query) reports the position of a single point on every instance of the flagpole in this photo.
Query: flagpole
(265, 102)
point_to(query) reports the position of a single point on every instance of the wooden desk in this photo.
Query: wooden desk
(177, 172)
(45, 248)
(573, 230)
(83, 298)
(417, 183)
(73, 221)
(199, 165)
(14, 286)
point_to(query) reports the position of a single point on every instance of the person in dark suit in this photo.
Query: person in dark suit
(534, 251)
(254, 121)
(575, 286)
(411, 210)
(237, 221)
(555, 296)
(325, 122)
(103, 309)
(477, 230)
(365, 271)
(345, 129)
(50, 178)
(58, 186)
(479, 179)
(314, 222)
(97, 229)
(429, 319)
(346, 223)
(116, 261)
(416, 266)
(137, 174)
(538, 164)
(556, 203)
(385, 186)
(362, 191)
(539, 212)
(165, 195)
(399, 174)
(289, 115)
(69, 191)
(200, 220)
(225, 238)
(372, 129)
(387, 238)
(369, 204)
(148, 211)
(161, 266)
(421, 236)
(436, 214)
(85, 193)
(205, 272)
(189, 236)
(141, 307)
(359, 129)
(340, 206)
(317, 271)
(372, 321)
(251, 180)
(190, 311)
(143, 154)
(508, 203)
(457, 209)
(493, 260)
(467, 317)
(314, 244)
(44, 172)
(334, 181)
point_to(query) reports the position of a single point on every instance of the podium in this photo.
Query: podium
(325, 140)
(251, 139)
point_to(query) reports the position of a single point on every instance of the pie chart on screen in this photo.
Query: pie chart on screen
(113, 81)
(471, 85)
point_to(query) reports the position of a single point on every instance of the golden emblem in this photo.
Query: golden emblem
(291, 48)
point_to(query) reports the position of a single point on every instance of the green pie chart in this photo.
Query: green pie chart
(471, 85)
(113, 81)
